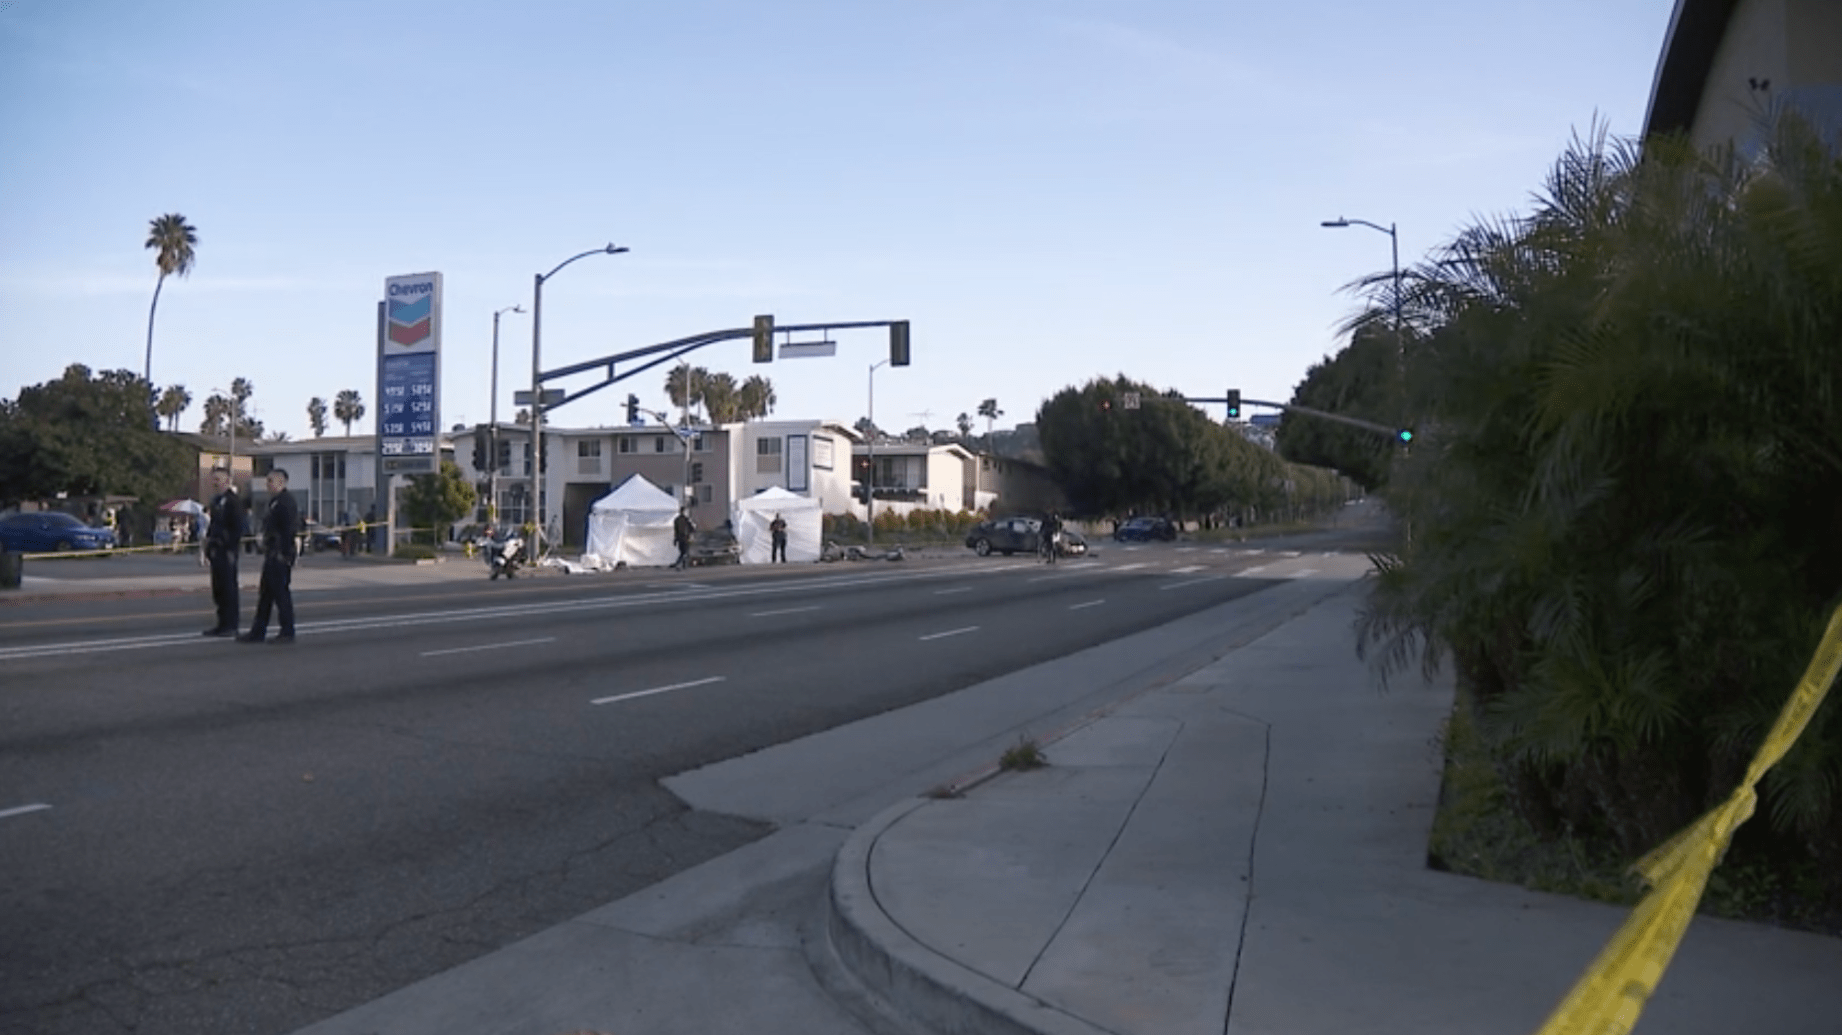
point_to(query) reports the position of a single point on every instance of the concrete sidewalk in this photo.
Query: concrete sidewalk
(1244, 851)
(1230, 837)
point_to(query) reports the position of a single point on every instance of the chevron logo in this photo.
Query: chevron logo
(409, 321)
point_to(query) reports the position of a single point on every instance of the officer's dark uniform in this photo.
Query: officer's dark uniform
(226, 514)
(281, 523)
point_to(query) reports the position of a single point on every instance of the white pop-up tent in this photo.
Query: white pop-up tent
(803, 518)
(633, 524)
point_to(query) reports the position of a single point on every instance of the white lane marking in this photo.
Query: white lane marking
(657, 690)
(476, 614)
(22, 810)
(1185, 549)
(1301, 573)
(1255, 570)
(1192, 582)
(955, 589)
(1090, 603)
(1187, 570)
(487, 646)
(783, 611)
(1289, 553)
(950, 632)
(1130, 567)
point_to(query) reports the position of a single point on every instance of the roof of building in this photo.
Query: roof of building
(1696, 28)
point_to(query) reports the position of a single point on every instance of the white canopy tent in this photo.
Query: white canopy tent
(632, 524)
(805, 530)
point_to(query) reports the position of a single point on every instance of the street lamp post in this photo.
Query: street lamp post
(537, 393)
(1394, 241)
(492, 462)
(869, 482)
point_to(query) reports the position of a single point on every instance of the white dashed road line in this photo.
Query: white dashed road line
(1130, 567)
(1193, 582)
(1255, 570)
(487, 646)
(784, 611)
(955, 589)
(1090, 603)
(1187, 570)
(657, 690)
(950, 632)
(1302, 573)
(22, 810)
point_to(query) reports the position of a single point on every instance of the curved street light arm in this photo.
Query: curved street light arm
(609, 250)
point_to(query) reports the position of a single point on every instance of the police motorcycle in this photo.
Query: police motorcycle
(504, 554)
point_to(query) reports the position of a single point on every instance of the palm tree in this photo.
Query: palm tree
(989, 410)
(684, 386)
(175, 242)
(316, 415)
(757, 397)
(1624, 575)
(721, 398)
(964, 422)
(348, 406)
(217, 415)
(173, 402)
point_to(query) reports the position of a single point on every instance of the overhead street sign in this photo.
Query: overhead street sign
(807, 349)
(552, 397)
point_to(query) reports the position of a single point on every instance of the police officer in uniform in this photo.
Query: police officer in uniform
(225, 516)
(281, 526)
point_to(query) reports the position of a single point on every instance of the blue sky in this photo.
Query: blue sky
(1050, 190)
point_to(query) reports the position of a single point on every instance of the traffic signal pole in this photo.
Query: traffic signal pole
(1404, 434)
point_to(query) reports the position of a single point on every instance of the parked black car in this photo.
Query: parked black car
(1019, 535)
(1145, 529)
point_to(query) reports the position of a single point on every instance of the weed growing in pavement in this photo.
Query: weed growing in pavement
(1025, 754)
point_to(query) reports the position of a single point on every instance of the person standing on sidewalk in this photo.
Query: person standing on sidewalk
(225, 519)
(682, 530)
(281, 525)
(778, 529)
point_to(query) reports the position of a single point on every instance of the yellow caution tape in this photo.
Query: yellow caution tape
(1611, 995)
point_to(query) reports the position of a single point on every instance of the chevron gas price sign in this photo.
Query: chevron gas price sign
(409, 386)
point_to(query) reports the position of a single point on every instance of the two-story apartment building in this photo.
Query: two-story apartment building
(721, 464)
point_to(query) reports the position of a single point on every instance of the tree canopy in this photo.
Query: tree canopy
(434, 500)
(86, 435)
(1361, 381)
(1167, 456)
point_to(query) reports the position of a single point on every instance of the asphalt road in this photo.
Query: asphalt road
(249, 838)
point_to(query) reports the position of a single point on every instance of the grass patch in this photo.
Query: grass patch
(414, 552)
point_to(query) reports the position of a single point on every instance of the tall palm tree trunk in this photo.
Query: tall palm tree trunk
(147, 365)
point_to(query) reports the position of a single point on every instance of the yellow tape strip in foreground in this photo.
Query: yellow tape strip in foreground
(1611, 994)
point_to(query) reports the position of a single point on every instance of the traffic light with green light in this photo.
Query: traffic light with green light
(1234, 404)
(1405, 434)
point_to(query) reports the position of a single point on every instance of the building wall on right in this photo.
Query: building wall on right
(1729, 65)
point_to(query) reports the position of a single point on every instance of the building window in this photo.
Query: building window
(627, 444)
(767, 456)
(698, 445)
(658, 443)
(588, 456)
(697, 472)
(706, 493)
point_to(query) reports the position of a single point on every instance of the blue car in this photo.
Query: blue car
(51, 530)
(1145, 529)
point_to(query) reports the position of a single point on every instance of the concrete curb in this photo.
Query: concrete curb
(912, 978)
